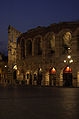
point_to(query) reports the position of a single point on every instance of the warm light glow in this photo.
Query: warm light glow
(53, 70)
(15, 67)
(71, 61)
(68, 69)
(40, 69)
(64, 60)
(5, 66)
(68, 56)
(68, 48)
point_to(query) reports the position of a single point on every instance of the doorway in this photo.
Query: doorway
(52, 76)
(39, 76)
(67, 76)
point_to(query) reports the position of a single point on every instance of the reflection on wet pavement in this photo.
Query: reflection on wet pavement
(39, 103)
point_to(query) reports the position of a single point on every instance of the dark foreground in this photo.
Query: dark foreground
(39, 103)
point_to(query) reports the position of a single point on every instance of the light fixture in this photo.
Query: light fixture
(68, 56)
(68, 48)
(53, 70)
(71, 61)
(15, 67)
(64, 60)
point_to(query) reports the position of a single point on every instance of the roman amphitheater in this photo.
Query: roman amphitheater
(46, 56)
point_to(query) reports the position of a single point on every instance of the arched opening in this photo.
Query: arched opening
(29, 47)
(66, 43)
(37, 46)
(15, 72)
(52, 76)
(30, 79)
(67, 76)
(39, 76)
(51, 43)
(22, 49)
(35, 77)
(27, 78)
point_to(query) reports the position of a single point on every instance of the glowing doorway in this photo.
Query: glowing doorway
(52, 76)
(67, 76)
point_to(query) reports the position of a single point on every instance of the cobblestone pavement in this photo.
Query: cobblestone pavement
(39, 103)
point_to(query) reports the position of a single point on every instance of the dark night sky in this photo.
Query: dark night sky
(27, 14)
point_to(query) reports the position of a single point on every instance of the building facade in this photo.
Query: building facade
(3, 70)
(46, 56)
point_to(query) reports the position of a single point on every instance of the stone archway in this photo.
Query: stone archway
(37, 46)
(35, 77)
(52, 76)
(22, 48)
(67, 76)
(29, 48)
(39, 76)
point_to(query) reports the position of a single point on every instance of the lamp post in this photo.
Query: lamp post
(68, 59)
(67, 73)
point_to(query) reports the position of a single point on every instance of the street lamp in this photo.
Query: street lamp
(68, 59)
(64, 61)
(69, 56)
(71, 61)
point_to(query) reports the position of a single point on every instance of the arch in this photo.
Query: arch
(22, 48)
(28, 48)
(62, 32)
(30, 80)
(35, 76)
(67, 76)
(50, 42)
(39, 73)
(28, 77)
(52, 76)
(14, 72)
(65, 41)
(37, 46)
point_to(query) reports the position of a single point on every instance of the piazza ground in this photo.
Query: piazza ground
(39, 103)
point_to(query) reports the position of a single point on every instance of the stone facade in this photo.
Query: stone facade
(40, 55)
(13, 34)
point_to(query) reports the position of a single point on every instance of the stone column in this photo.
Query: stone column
(60, 79)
